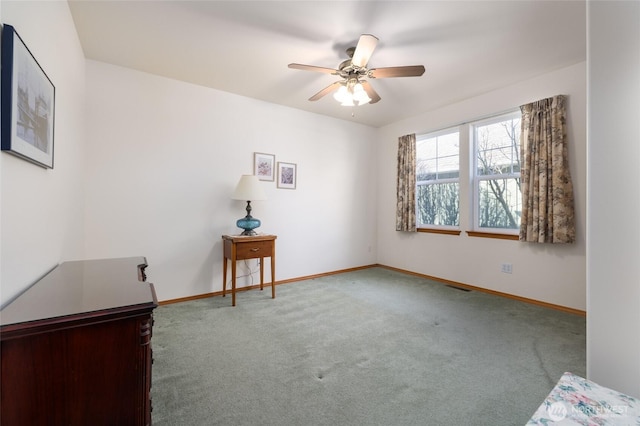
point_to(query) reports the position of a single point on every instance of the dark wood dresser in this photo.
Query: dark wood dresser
(76, 347)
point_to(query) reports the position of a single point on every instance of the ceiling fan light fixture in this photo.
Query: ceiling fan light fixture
(350, 90)
(348, 101)
(362, 99)
(360, 95)
(341, 94)
(351, 93)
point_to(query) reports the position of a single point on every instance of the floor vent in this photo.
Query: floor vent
(458, 288)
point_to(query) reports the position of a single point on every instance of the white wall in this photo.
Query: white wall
(613, 252)
(42, 210)
(164, 156)
(549, 273)
(160, 167)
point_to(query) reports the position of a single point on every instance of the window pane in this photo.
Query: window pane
(499, 203)
(497, 197)
(426, 169)
(438, 204)
(438, 157)
(438, 172)
(498, 147)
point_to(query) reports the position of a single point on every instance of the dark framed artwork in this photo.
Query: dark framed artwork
(287, 175)
(28, 103)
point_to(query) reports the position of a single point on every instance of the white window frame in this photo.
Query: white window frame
(429, 135)
(475, 178)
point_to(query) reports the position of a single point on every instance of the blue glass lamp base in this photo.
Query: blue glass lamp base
(248, 223)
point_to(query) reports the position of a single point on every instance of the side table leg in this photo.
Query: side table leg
(233, 282)
(224, 276)
(273, 273)
(261, 272)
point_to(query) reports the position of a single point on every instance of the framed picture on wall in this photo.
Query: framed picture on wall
(28, 103)
(264, 166)
(287, 175)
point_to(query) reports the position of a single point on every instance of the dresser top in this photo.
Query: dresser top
(81, 287)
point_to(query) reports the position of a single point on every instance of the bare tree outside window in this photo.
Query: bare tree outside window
(437, 176)
(497, 173)
(494, 174)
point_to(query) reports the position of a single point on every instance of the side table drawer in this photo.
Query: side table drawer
(253, 249)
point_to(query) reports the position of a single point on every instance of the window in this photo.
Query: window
(496, 174)
(490, 190)
(437, 179)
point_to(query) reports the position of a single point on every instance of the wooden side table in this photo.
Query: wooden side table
(239, 247)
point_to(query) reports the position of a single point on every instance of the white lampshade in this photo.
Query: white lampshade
(249, 189)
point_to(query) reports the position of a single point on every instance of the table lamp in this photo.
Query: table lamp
(248, 189)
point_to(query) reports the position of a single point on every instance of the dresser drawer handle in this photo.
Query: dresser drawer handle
(255, 249)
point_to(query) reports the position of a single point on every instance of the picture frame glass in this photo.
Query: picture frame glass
(264, 166)
(28, 103)
(287, 175)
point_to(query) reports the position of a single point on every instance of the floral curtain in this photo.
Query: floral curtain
(547, 191)
(406, 186)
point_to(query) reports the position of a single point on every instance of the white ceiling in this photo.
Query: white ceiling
(244, 47)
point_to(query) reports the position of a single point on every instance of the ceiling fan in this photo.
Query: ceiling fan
(354, 89)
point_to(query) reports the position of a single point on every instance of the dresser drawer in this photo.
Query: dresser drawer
(253, 249)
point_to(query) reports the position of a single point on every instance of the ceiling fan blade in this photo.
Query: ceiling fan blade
(408, 71)
(372, 93)
(312, 68)
(330, 88)
(364, 49)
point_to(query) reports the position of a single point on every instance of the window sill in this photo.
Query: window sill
(493, 235)
(439, 231)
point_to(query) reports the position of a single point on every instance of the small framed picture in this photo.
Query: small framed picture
(287, 175)
(28, 103)
(264, 166)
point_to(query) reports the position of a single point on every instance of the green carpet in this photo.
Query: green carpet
(370, 347)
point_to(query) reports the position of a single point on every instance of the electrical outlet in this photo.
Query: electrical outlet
(507, 268)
